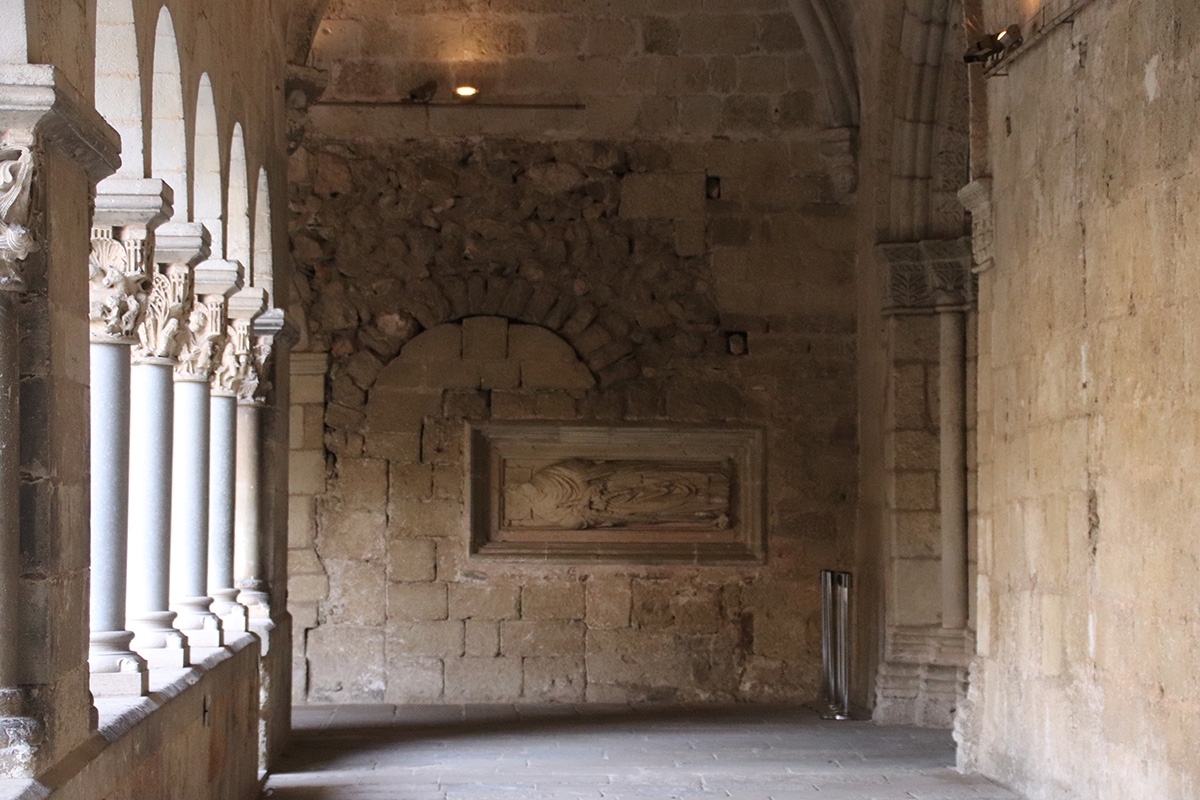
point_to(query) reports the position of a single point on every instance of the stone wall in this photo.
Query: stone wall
(447, 280)
(1086, 682)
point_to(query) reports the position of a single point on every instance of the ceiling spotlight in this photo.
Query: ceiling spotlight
(466, 93)
(994, 46)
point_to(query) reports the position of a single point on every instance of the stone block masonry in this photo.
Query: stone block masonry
(455, 281)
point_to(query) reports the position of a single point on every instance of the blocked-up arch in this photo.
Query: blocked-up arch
(206, 168)
(118, 81)
(168, 135)
(261, 266)
(237, 244)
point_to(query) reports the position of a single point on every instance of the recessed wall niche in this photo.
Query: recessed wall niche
(646, 494)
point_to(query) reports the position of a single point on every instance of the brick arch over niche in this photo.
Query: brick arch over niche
(453, 299)
(468, 370)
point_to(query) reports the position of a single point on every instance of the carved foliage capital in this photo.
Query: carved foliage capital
(202, 339)
(926, 276)
(160, 332)
(120, 280)
(16, 240)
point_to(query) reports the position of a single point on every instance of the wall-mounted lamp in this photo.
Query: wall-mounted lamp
(994, 46)
(466, 94)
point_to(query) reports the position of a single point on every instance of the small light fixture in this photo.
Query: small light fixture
(466, 94)
(994, 46)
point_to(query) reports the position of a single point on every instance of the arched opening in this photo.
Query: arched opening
(237, 246)
(118, 81)
(168, 138)
(261, 264)
(206, 168)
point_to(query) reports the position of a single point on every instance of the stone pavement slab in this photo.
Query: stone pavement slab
(566, 752)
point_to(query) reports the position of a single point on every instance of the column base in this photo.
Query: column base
(115, 668)
(236, 618)
(158, 642)
(198, 623)
(257, 602)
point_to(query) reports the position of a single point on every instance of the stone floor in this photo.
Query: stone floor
(546, 753)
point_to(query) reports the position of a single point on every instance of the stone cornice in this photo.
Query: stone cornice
(927, 276)
(143, 203)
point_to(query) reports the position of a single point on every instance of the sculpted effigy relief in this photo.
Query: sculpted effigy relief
(579, 494)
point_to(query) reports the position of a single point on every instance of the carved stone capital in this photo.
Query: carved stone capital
(167, 307)
(203, 338)
(120, 279)
(927, 276)
(272, 330)
(976, 197)
(16, 240)
(236, 360)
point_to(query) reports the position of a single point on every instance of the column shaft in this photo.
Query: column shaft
(116, 669)
(222, 466)
(152, 398)
(952, 384)
(189, 516)
(247, 554)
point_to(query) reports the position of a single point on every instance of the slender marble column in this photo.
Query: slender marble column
(204, 339)
(237, 366)
(247, 554)
(952, 384)
(222, 466)
(178, 245)
(119, 277)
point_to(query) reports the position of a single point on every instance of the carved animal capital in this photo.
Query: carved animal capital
(202, 339)
(119, 281)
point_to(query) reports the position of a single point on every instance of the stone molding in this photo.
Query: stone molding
(38, 103)
(927, 276)
(976, 197)
(531, 493)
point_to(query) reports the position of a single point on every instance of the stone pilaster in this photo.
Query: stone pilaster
(54, 148)
(120, 278)
(202, 343)
(925, 659)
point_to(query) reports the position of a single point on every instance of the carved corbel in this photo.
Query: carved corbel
(976, 197)
(927, 276)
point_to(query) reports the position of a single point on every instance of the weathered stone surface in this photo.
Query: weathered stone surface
(412, 560)
(537, 638)
(552, 602)
(416, 601)
(471, 601)
(555, 680)
(346, 664)
(440, 639)
(483, 680)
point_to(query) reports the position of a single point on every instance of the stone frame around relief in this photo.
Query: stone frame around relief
(503, 458)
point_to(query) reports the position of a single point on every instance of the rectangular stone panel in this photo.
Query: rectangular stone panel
(641, 494)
